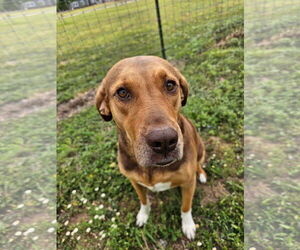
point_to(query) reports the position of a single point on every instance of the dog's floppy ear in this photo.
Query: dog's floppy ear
(102, 102)
(185, 90)
(184, 87)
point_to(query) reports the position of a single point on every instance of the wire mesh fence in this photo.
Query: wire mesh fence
(92, 39)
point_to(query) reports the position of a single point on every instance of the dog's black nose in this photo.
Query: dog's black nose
(162, 141)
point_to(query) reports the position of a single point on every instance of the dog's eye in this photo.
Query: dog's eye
(123, 93)
(170, 85)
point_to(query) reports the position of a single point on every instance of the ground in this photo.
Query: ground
(97, 206)
(272, 129)
(28, 129)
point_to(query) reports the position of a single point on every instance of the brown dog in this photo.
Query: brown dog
(158, 147)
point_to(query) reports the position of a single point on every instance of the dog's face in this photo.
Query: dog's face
(144, 95)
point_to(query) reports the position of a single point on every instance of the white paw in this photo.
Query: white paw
(188, 225)
(202, 178)
(143, 215)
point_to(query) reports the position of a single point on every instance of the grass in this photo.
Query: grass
(97, 205)
(28, 52)
(27, 147)
(89, 43)
(272, 130)
(28, 163)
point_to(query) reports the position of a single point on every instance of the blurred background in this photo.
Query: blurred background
(27, 124)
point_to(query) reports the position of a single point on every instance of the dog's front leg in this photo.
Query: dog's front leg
(188, 225)
(144, 212)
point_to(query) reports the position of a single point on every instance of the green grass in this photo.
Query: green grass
(27, 54)
(28, 163)
(27, 147)
(90, 43)
(87, 157)
(272, 128)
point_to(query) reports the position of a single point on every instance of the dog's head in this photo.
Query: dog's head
(144, 95)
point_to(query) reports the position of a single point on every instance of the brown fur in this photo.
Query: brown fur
(151, 107)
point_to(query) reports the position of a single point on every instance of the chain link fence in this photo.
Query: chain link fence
(91, 39)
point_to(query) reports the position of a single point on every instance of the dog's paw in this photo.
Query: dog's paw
(202, 178)
(188, 225)
(143, 215)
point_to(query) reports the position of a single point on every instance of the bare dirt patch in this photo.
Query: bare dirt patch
(257, 190)
(76, 105)
(292, 33)
(236, 34)
(260, 147)
(213, 193)
(78, 218)
(27, 106)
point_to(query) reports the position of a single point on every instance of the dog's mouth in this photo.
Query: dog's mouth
(165, 163)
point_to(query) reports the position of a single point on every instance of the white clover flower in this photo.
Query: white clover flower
(90, 221)
(114, 226)
(45, 201)
(74, 191)
(101, 232)
(96, 189)
(10, 240)
(88, 230)
(252, 248)
(74, 231)
(96, 217)
(54, 222)
(113, 219)
(102, 217)
(15, 223)
(214, 248)
(103, 236)
(97, 208)
(51, 230)
(20, 206)
(199, 244)
(118, 214)
(35, 238)
(103, 195)
(30, 230)
(69, 206)
(84, 201)
(78, 238)
(101, 206)
(18, 233)
(27, 192)
(25, 233)
(66, 223)
(68, 233)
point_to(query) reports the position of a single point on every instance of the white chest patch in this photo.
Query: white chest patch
(158, 187)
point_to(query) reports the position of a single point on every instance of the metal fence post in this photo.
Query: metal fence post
(160, 30)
